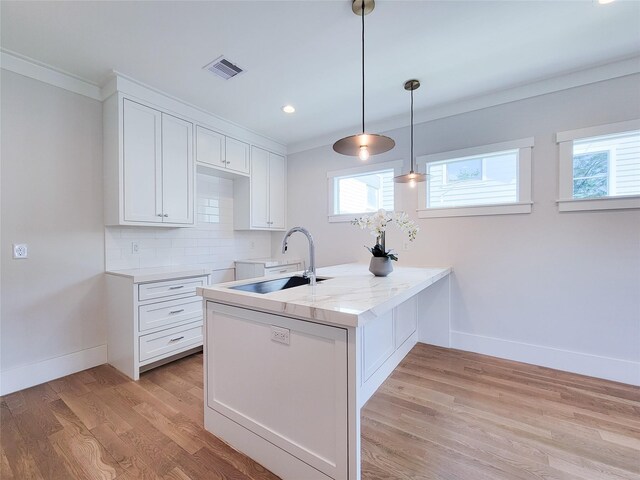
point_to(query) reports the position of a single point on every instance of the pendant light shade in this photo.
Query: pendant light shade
(364, 144)
(412, 177)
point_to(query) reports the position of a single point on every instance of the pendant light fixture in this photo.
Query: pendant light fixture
(364, 144)
(412, 177)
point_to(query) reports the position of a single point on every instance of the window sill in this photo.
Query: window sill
(474, 210)
(593, 204)
(347, 217)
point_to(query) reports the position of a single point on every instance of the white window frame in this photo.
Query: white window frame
(523, 205)
(374, 167)
(566, 202)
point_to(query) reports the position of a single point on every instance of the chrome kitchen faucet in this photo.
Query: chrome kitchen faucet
(311, 271)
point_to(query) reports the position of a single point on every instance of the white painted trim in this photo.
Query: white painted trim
(27, 376)
(476, 210)
(598, 130)
(593, 204)
(618, 370)
(473, 151)
(27, 67)
(621, 68)
(345, 218)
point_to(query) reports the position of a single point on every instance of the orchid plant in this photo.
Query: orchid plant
(377, 226)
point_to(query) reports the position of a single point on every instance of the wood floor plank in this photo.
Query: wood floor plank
(442, 415)
(242, 463)
(189, 443)
(87, 457)
(19, 457)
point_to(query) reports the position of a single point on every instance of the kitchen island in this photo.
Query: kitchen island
(287, 372)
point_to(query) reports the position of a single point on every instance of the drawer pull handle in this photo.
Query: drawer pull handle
(176, 287)
(176, 339)
(283, 271)
(176, 311)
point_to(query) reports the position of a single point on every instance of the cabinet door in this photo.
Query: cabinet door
(177, 170)
(405, 317)
(378, 343)
(210, 147)
(237, 155)
(142, 179)
(277, 189)
(259, 188)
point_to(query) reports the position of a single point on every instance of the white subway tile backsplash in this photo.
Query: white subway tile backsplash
(212, 243)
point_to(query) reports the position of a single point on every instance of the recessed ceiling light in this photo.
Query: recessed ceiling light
(288, 109)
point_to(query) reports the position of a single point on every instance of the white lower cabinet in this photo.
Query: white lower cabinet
(153, 321)
(291, 399)
(253, 269)
(386, 339)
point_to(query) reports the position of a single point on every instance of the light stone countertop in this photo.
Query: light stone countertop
(349, 297)
(143, 275)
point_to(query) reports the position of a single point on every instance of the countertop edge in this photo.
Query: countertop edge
(318, 314)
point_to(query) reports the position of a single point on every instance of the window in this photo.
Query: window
(488, 180)
(590, 174)
(361, 190)
(600, 167)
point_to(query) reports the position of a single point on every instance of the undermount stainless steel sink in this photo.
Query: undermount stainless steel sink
(268, 286)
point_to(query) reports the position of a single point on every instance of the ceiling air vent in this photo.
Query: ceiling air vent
(223, 68)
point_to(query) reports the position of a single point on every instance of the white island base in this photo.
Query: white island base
(286, 373)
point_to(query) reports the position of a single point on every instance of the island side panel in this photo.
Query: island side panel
(434, 314)
(284, 405)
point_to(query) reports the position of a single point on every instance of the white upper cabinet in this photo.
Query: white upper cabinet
(148, 165)
(142, 154)
(177, 170)
(259, 202)
(277, 189)
(237, 155)
(210, 147)
(259, 188)
(218, 151)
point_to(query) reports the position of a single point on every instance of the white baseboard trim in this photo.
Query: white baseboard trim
(27, 376)
(624, 371)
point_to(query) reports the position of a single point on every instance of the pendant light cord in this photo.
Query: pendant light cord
(411, 130)
(362, 66)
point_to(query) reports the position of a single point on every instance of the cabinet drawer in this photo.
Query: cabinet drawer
(169, 341)
(164, 314)
(170, 288)
(281, 269)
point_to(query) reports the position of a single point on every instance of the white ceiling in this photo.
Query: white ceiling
(307, 53)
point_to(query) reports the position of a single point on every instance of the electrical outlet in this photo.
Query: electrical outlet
(253, 245)
(279, 334)
(405, 246)
(135, 248)
(20, 250)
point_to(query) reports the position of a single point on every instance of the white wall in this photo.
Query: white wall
(212, 243)
(549, 288)
(52, 304)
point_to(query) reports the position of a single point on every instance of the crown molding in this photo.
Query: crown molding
(28, 67)
(621, 68)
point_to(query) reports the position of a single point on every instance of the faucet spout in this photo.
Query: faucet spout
(311, 271)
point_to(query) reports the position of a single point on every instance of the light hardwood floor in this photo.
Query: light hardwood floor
(443, 414)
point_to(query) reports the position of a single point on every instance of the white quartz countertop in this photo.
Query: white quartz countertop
(271, 262)
(142, 275)
(349, 297)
